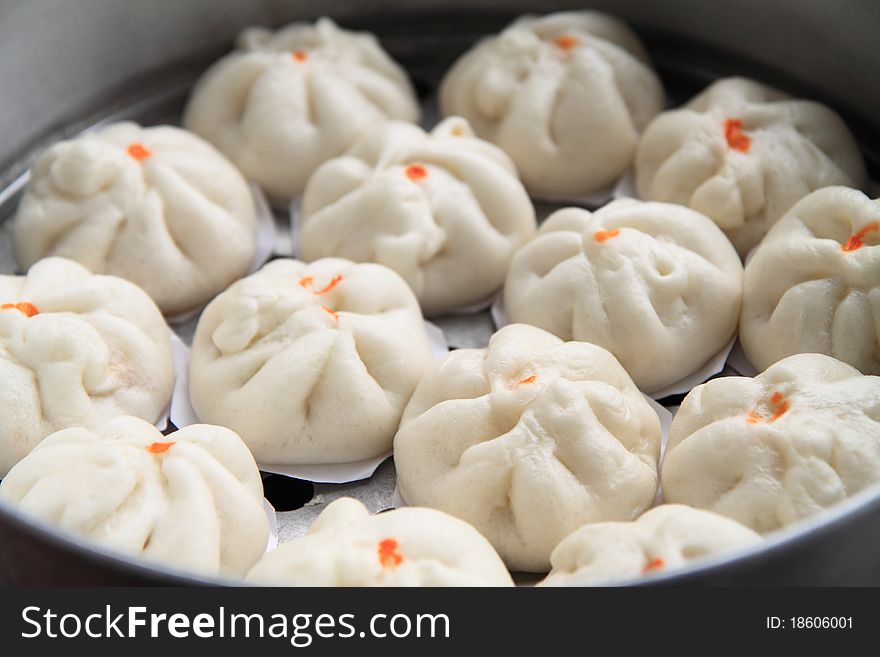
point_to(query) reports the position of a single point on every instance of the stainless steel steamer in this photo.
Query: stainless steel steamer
(65, 66)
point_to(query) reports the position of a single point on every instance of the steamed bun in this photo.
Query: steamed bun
(658, 285)
(664, 538)
(310, 364)
(743, 154)
(346, 546)
(76, 349)
(565, 95)
(157, 206)
(444, 209)
(286, 101)
(192, 499)
(528, 440)
(813, 285)
(772, 450)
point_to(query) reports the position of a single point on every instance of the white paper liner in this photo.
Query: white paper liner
(740, 362)
(374, 493)
(439, 344)
(663, 414)
(179, 361)
(266, 238)
(272, 541)
(625, 187)
(182, 414)
(665, 422)
(712, 366)
(498, 312)
(330, 473)
(592, 200)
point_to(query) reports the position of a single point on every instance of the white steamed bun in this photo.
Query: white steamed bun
(76, 349)
(664, 538)
(346, 546)
(157, 206)
(777, 448)
(192, 499)
(528, 440)
(743, 154)
(565, 95)
(444, 209)
(310, 364)
(658, 285)
(286, 101)
(813, 285)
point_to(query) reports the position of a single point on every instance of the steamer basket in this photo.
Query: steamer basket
(66, 67)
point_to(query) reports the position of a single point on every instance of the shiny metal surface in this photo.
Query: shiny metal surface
(65, 66)
(61, 61)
